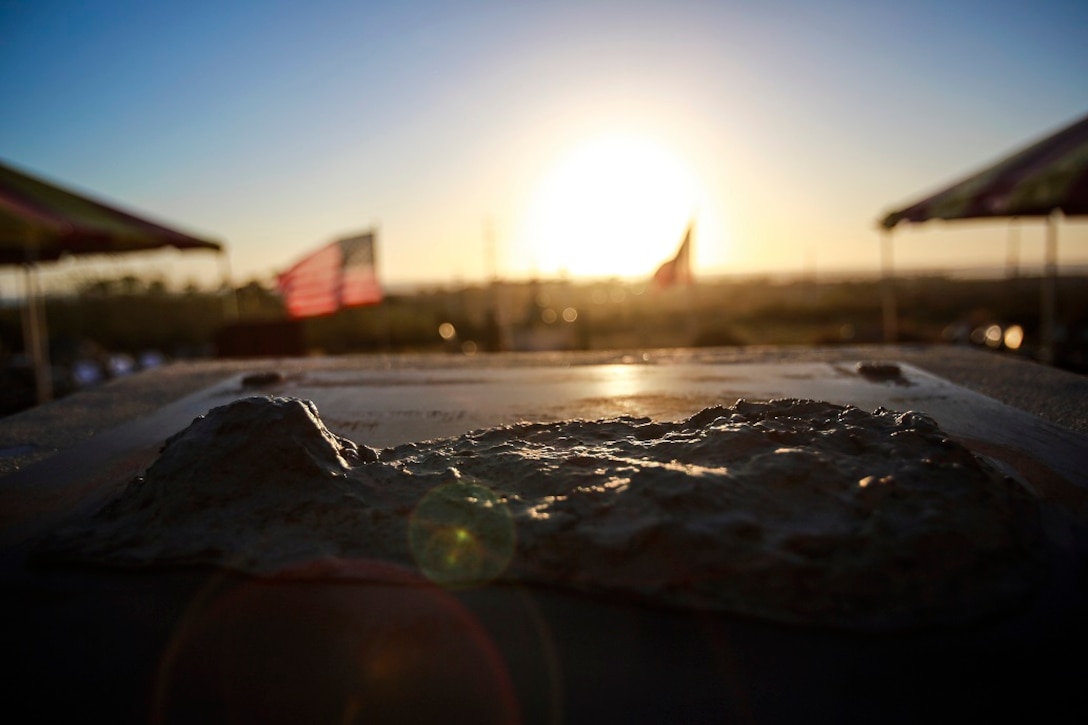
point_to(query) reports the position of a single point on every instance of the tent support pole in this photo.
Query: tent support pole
(1012, 253)
(34, 341)
(1050, 275)
(887, 288)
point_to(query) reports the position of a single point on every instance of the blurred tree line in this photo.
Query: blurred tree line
(113, 327)
(130, 315)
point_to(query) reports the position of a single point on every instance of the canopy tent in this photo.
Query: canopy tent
(40, 222)
(1048, 177)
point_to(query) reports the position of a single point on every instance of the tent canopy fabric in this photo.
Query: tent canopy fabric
(41, 222)
(1047, 176)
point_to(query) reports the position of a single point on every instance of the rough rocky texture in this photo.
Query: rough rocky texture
(793, 510)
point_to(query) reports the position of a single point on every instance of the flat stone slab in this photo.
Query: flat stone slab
(205, 645)
(387, 408)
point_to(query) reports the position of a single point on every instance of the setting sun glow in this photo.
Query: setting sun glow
(615, 206)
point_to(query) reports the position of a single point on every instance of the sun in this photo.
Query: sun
(613, 206)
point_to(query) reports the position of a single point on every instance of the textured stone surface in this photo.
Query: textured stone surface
(792, 510)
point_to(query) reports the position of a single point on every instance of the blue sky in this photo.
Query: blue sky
(277, 126)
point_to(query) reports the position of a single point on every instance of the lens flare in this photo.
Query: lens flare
(350, 640)
(461, 534)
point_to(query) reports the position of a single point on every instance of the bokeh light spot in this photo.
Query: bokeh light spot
(1014, 337)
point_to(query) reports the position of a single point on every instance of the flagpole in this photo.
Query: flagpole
(691, 293)
(387, 331)
(495, 320)
(230, 295)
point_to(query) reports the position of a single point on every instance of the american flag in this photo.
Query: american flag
(338, 275)
(678, 269)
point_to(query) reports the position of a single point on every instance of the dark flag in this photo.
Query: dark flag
(678, 269)
(338, 275)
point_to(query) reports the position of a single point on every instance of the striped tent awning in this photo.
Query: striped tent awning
(1049, 175)
(40, 222)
